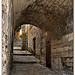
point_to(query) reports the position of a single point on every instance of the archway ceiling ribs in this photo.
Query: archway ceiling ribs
(50, 14)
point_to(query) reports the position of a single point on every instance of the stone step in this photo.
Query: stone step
(17, 50)
(16, 47)
(25, 59)
(22, 53)
(25, 62)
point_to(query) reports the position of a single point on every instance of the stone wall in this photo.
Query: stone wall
(43, 49)
(6, 36)
(37, 33)
(17, 39)
(40, 43)
(62, 49)
(62, 52)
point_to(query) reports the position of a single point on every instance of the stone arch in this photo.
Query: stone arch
(53, 16)
(50, 19)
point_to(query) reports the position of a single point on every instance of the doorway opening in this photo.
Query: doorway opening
(32, 40)
(48, 52)
(34, 45)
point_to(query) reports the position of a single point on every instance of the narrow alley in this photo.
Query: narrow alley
(37, 37)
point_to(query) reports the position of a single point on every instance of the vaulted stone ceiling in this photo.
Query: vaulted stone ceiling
(50, 15)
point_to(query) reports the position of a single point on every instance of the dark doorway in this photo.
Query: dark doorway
(34, 45)
(48, 52)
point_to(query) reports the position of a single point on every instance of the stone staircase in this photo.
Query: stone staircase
(24, 57)
(26, 64)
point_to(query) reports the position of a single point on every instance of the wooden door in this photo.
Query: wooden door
(48, 52)
(34, 45)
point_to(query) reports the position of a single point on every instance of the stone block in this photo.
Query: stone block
(43, 2)
(71, 60)
(70, 37)
(59, 49)
(69, 64)
(68, 60)
(53, 51)
(65, 54)
(70, 53)
(67, 48)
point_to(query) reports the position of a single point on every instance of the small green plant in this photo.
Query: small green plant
(18, 29)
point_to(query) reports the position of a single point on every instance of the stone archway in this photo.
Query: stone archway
(28, 41)
(55, 17)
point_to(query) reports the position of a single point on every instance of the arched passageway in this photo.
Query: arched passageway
(31, 38)
(53, 17)
(30, 41)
